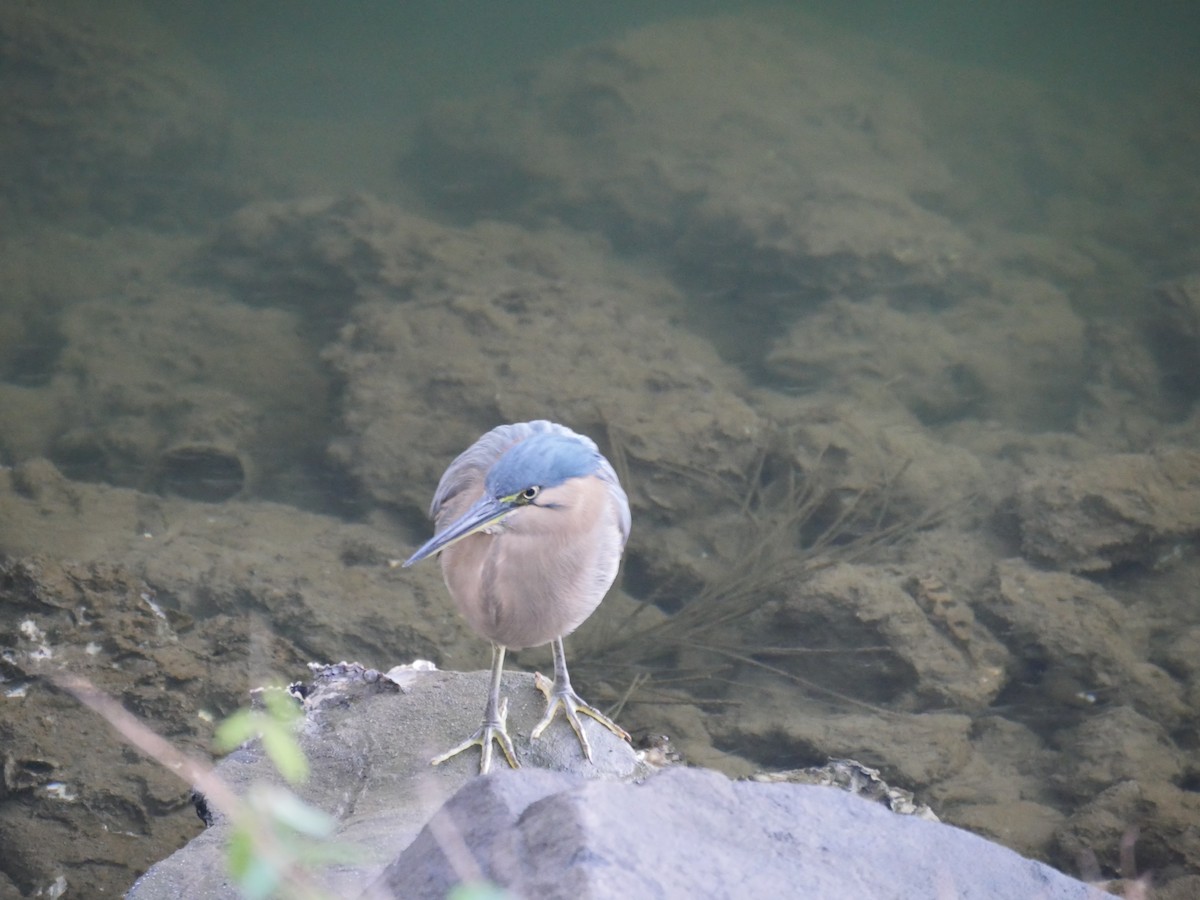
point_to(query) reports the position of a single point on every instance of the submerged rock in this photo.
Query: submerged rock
(101, 124)
(1081, 646)
(1136, 508)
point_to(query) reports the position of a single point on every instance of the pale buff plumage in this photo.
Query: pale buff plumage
(530, 539)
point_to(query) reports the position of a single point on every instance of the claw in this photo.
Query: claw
(572, 705)
(496, 730)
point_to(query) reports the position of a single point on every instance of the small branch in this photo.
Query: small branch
(200, 775)
(191, 771)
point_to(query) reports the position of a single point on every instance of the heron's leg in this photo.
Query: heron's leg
(495, 723)
(560, 693)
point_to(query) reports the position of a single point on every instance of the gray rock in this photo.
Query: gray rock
(801, 165)
(155, 421)
(694, 833)
(1116, 745)
(960, 666)
(1087, 643)
(560, 827)
(1017, 358)
(369, 740)
(1175, 331)
(1139, 508)
(404, 283)
(1107, 830)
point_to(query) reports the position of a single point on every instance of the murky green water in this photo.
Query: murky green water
(888, 316)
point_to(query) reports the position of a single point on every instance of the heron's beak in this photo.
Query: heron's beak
(486, 511)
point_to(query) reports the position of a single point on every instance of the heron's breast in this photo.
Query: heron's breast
(544, 574)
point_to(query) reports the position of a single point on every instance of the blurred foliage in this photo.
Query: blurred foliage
(275, 726)
(277, 840)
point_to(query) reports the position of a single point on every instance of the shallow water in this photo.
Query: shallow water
(873, 309)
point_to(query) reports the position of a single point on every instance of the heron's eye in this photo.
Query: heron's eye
(527, 495)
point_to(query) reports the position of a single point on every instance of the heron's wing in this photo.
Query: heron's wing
(462, 482)
(608, 475)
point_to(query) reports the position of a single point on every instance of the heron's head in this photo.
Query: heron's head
(522, 476)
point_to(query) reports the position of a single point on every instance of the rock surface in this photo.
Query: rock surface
(100, 126)
(490, 321)
(1076, 633)
(369, 740)
(560, 827)
(1114, 510)
(692, 832)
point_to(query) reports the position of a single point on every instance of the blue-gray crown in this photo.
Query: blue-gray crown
(545, 460)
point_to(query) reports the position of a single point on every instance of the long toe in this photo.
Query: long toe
(488, 732)
(572, 706)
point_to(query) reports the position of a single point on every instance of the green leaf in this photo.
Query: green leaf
(236, 730)
(478, 890)
(260, 879)
(283, 748)
(240, 850)
(289, 810)
(282, 706)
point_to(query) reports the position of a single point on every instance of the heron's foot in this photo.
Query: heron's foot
(572, 705)
(489, 731)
